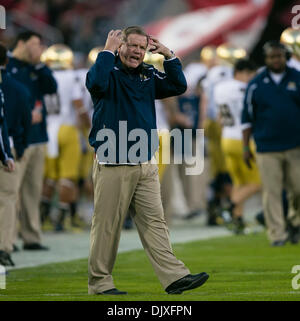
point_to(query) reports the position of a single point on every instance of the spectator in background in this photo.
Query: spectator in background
(25, 66)
(36, 9)
(271, 113)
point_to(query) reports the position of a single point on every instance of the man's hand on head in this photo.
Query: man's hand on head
(114, 40)
(156, 47)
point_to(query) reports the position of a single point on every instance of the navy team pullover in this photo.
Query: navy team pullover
(119, 94)
(273, 111)
(5, 152)
(39, 81)
(17, 111)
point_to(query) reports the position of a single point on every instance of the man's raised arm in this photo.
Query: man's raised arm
(97, 79)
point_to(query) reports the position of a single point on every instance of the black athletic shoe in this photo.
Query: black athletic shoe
(278, 243)
(113, 291)
(238, 225)
(35, 246)
(128, 223)
(59, 227)
(5, 259)
(192, 215)
(15, 248)
(214, 212)
(294, 234)
(188, 282)
(260, 218)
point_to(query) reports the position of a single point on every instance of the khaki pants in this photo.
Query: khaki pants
(9, 186)
(167, 191)
(194, 187)
(31, 183)
(275, 169)
(118, 189)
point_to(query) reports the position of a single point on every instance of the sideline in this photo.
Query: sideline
(71, 246)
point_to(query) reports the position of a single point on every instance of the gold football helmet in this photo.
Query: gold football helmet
(291, 38)
(58, 56)
(156, 60)
(92, 56)
(229, 53)
(208, 55)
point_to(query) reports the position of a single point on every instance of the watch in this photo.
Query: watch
(172, 55)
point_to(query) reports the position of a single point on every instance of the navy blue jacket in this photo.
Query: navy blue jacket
(39, 81)
(122, 95)
(5, 151)
(17, 112)
(273, 111)
(189, 106)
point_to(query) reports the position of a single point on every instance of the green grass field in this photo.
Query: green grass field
(241, 268)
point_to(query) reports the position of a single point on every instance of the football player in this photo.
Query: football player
(291, 39)
(229, 97)
(227, 54)
(66, 113)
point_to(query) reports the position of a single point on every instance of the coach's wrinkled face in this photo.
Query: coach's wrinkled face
(133, 50)
(276, 59)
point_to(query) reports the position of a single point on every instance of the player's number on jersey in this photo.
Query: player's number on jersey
(52, 103)
(226, 116)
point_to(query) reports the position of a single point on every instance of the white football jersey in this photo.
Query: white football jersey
(193, 72)
(293, 63)
(161, 117)
(60, 105)
(215, 75)
(229, 98)
(87, 100)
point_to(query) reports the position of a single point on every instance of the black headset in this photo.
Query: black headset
(277, 44)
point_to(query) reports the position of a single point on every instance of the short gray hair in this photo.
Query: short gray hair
(133, 30)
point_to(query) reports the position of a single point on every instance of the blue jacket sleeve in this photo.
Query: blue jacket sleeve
(97, 79)
(4, 141)
(47, 82)
(5, 151)
(172, 82)
(22, 135)
(3, 155)
(249, 105)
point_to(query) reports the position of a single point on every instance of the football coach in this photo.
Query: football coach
(123, 89)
